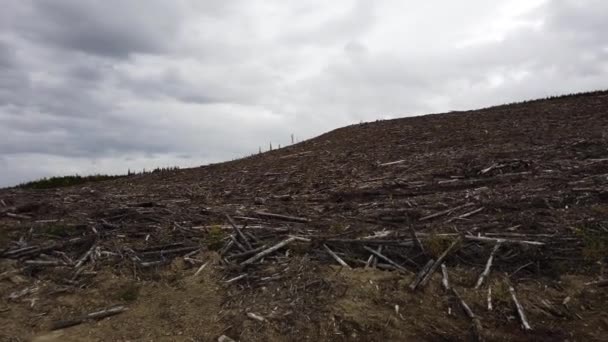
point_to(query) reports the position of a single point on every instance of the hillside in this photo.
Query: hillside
(520, 190)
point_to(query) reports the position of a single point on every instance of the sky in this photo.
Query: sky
(103, 86)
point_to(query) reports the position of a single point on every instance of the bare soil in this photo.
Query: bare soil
(532, 176)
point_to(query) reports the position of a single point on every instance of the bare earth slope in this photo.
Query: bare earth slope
(526, 183)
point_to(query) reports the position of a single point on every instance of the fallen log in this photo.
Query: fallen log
(486, 271)
(445, 282)
(238, 231)
(520, 310)
(439, 261)
(390, 261)
(496, 240)
(470, 213)
(421, 274)
(282, 217)
(444, 212)
(92, 316)
(336, 257)
(269, 251)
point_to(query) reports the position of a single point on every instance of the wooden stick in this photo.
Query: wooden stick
(238, 244)
(599, 283)
(226, 248)
(372, 261)
(86, 255)
(421, 274)
(520, 310)
(445, 280)
(17, 216)
(269, 251)
(238, 231)
(401, 243)
(439, 261)
(393, 163)
(381, 256)
(488, 239)
(171, 251)
(236, 278)
(375, 258)
(282, 217)
(200, 269)
(486, 271)
(92, 316)
(470, 213)
(489, 298)
(336, 257)
(153, 263)
(444, 212)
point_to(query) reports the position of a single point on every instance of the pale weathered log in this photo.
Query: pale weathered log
(445, 282)
(495, 240)
(489, 298)
(439, 261)
(383, 257)
(92, 316)
(465, 215)
(269, 251)
(393, 163)
(421, 274)
(171, 251)
(520, 310)
(372, 261)
(256, 317)
(238, 244)
(17, 216)
(236, 278)
(282, 217)
(238, 232)
(599, 283)
(200, 269)
(86, 255)
(444, 212)
(486, 271)
(336, 257)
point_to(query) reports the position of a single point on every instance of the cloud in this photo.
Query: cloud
(90, 85)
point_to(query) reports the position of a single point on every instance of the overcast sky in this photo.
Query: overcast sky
(102, 86)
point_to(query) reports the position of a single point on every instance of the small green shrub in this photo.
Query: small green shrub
(128, 293)
(215, 237)
(60, 230)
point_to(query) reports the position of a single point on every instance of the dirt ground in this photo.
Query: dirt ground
(532, 177)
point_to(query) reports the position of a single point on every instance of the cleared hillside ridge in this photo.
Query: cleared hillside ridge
(510, 202)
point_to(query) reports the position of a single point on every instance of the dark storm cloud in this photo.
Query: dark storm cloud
(106, 28)
(91, 86)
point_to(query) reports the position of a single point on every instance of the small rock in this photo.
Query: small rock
(225, 338)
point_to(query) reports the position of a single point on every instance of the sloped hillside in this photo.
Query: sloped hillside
(489, 224)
